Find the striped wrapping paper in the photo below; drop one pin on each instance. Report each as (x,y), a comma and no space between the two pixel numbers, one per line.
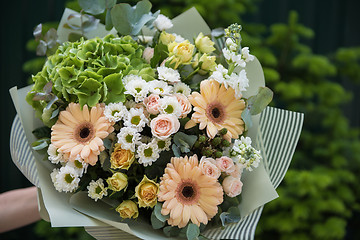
(278,134)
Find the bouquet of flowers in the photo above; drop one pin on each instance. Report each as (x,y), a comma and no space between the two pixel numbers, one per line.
(149,129)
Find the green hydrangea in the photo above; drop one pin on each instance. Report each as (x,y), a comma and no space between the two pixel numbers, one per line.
(88,72)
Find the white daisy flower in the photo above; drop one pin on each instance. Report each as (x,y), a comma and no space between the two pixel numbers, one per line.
(159,87)
(78,165)
(147,153)
(168,74)
(170,105)
(246,54)
(129,78)
(128,137)
(138,88)
(162,23)
(114,112)
(96,189)
(66,179)
(163,145)
(136,118)
(183,88)
(54,156)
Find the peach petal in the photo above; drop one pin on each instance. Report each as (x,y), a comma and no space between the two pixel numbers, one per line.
(86,114)
(85,152)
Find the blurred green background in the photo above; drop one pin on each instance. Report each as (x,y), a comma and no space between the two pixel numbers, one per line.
(310,52)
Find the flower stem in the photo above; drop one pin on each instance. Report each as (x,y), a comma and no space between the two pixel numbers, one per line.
(190,75)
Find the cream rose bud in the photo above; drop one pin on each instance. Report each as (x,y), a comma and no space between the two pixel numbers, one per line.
(232,186)
(166,38)
(152,103)
(204,44)
(185,104)
(208,167)
(225,164)
(208,63)
(146,192)
(128,209)
(148,54)
(164,125)
(117,182)
(182,52)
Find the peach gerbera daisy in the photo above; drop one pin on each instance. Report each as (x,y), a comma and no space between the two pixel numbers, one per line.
(80,132)
(188,193)
(215,108)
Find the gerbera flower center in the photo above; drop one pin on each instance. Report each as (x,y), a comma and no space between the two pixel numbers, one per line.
(215,112)
(84,132)
(187,193)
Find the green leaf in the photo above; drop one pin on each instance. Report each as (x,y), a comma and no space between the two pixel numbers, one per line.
(129,20)
(258,103)
(160,53)
(176,150)
(115,88)
(171,231)
(155,222)
(94,7)
(184,142)
(42,132)
(108,21)
(192,231)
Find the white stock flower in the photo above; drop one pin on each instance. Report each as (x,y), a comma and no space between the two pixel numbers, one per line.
(170,105)
(231,45)
(168,74)
(65,179)
(162,23)
(147,153)
(228,55)
(96,189)
(159,87)
(246,54)
(114,112)
(183,88)
(243,153)
(237,59)
(128,138)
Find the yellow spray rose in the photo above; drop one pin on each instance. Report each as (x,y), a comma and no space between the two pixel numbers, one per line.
(181,53)
(128,209)
(117,182)
(204,44)
(146,192)
(166,38)
(121,158)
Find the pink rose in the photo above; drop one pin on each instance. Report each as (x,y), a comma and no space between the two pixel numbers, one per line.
(238,170)
(185,104)
(225,164)
(232,186)
(148,54)
(208,167)
(152,103)
(164,125)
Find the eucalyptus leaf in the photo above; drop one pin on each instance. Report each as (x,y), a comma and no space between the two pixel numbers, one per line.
(93,6)
(55,113)
(192,231)
(155,222)
(157,212)
(42,132)
(41,48)
(90,25)
(53,99)
(246,117)
(129,20)
(231,216)
(259,102)
(108,21)
(176,150)
(51,38)
(171,231)
(184,142)
(40,144)
(37,32)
